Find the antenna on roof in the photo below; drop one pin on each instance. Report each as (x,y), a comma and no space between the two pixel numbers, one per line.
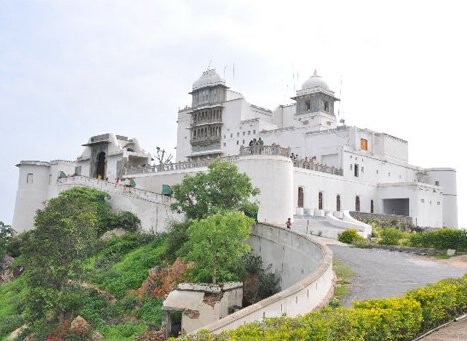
(340,119)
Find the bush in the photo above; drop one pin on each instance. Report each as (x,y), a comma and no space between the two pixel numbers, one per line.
(126,220)
(348,236)
(371,320)
(151,311)
(441,239)
(177,236)
(391,236)
(361,243)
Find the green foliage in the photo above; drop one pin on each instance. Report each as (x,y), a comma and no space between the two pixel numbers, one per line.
(177,236)
(216,245)
(348,236)
(122,265)
(268,282)
(122,331)
(222,188)
(371,320)
(125,220)
(441,239)
(361,243)
(11,294)
(6,236)
(64,236)
(151,311)
(441,301)
(391,236)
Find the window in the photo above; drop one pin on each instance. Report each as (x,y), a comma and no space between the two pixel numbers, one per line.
(326,106)
(224,136)
(243,133)
(377,171)
(372,207)
(231,135)
(224,144)
(438,203)
(422,200)
(254,131)
(362,169)
(307,105)
(50,179)
(356,170)
(389,173)
(338,203)
(243,142)
(237,142)
(351,167)
(320,200)
(249,132)
(363,144)
(436,183)
(29,178)
(238,134)
(357,203)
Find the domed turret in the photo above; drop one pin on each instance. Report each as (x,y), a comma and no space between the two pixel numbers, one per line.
(315,81)
(208,78)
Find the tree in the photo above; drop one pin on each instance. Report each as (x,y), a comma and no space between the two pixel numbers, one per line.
(216,245)
(222,188)
(64,236)
(161,157)
(6,236)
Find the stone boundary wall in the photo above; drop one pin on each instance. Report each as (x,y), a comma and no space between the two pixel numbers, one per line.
(312,291)
(382,217)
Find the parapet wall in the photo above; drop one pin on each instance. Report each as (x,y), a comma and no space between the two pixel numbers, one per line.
(305,267)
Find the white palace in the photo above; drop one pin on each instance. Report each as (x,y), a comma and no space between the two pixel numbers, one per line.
(309,166)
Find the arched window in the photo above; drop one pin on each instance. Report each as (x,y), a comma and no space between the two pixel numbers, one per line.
(320,200)
(357,203)
(338,203)
(300,197)
(372,207)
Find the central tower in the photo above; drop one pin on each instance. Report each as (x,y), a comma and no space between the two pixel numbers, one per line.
(208,95)
(315,104)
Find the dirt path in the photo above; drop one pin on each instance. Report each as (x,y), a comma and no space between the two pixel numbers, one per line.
(458,261)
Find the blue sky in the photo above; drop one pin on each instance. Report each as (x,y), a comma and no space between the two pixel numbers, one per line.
(72,69)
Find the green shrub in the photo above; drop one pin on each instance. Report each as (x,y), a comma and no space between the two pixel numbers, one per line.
(441,301)
(391,236)
(126,220)
(122,331)
(371,320)
(441,239)
(361,243)
(151,311)
(348,236)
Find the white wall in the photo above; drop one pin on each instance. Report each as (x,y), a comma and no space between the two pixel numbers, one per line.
(310,291)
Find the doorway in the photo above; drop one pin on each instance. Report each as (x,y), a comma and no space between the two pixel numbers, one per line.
(101,163)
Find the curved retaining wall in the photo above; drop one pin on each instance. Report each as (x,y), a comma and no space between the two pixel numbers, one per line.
(306,270)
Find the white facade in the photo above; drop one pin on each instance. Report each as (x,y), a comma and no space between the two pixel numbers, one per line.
(337,167)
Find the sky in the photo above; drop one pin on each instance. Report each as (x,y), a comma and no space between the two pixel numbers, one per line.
(73,69)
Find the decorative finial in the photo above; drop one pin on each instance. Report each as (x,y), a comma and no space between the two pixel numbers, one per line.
(315,74)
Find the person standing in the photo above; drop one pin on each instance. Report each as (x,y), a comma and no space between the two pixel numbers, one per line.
(288,223)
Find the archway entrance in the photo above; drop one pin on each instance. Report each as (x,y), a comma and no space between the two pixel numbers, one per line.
(300,197)
(357,203)
(338,203)
(100,173)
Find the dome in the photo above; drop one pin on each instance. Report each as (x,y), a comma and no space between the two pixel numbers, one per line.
(314,82)
(208,78)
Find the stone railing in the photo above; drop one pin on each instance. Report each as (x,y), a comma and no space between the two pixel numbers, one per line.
(111,188)
(177,166)
(306,273)
(317,167)
(264,150)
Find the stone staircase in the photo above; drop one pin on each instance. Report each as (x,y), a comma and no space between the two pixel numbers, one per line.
(111,188)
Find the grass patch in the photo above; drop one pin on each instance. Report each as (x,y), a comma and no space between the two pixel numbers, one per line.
(11,295)
(343,273)
(122,331)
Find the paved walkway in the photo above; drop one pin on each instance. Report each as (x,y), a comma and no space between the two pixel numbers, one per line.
(381,273)
(456,331)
